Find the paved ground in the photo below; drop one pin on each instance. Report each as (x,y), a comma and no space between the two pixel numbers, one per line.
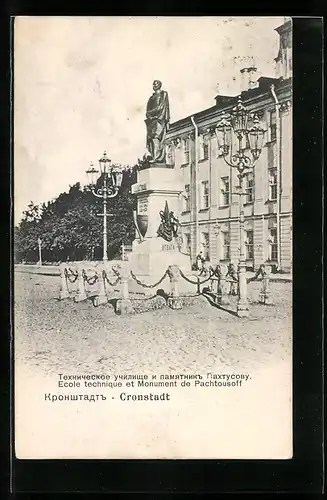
(54,270)
(65,337)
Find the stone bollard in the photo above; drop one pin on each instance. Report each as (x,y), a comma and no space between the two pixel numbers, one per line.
(232,274)
(101,298)
(124,305)
(221,287)
(265,292)
(174,301)
(198,285)
(81,295)
(215,283)
(64,291)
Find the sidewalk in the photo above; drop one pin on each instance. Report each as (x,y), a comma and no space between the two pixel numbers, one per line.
(278,277)
(281,278)
(53,270)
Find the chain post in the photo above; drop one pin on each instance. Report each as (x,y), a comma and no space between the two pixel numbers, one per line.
(124,305)
(64,291)
(174,301)
(265,292)
(101,298)
(81,295)
(221,287)
(198,287)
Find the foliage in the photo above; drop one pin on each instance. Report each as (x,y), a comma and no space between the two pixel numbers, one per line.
(70,228)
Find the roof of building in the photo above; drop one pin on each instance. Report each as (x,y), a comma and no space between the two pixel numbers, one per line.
(284,32)
(261,89)
(223,102)
(287,26)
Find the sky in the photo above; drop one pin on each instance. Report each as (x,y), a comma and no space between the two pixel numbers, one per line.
(81,85)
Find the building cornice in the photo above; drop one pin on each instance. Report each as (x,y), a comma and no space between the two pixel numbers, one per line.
(284,28)
(259,97)
(207,120)
(224,100)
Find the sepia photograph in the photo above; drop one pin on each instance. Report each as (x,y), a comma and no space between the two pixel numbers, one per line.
(152,174)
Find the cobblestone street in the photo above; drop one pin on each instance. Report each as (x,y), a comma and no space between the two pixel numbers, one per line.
(153,250)
(55,336)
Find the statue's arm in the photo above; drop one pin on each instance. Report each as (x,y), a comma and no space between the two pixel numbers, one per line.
(168,109)
(152,113)
(161,111)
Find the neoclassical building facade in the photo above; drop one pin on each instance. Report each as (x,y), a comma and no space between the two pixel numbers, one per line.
(209,206)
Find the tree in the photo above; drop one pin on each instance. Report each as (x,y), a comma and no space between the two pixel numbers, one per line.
(70,228)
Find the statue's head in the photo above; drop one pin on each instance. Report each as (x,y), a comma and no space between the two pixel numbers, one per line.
(157,85)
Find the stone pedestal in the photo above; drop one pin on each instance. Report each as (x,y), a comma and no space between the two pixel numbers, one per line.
(174,301)
(124,305)
(265,293)
(64,291)
(152,254)
(101,298)
(81,295)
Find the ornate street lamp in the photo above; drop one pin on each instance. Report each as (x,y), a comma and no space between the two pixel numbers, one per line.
(249,142)
(216,228)
(111,176)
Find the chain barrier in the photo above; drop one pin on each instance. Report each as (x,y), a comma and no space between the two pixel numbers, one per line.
(145,299)
(115,272)
(70,275)
(260,272)
(144,284)
(90,281)
(111,283)
(190,296)
(198,282)
(231,280)
(215,273)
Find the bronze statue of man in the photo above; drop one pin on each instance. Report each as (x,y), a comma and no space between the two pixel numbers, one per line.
(157,123)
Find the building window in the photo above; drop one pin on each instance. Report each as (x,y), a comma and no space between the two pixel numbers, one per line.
(205,245)
(205,151)
(225,191)
(273,184)
(249,188)
(204,148)
(187,199)
(273,254)
(272,125)
(225,245)
(187,243)
(170,155)
(249,244)
(186,150)
(205,195)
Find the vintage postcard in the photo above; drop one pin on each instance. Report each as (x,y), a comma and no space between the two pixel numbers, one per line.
(153,237)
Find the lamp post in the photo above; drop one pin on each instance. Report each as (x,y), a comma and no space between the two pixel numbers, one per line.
(240,146)
(39,242)
(111,176)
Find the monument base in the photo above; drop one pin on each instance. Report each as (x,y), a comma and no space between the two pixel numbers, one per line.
(152,257)
(158,197)
(154,164)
